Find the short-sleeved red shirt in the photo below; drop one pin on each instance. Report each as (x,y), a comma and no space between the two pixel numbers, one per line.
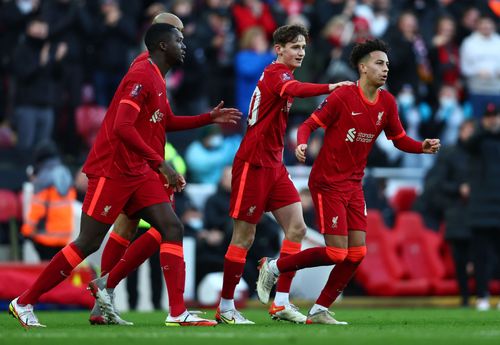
(143,88)
(263,142)
(352,124)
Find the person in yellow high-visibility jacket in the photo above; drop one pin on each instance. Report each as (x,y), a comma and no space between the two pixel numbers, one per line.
(49,222)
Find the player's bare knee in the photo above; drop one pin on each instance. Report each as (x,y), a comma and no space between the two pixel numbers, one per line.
(173,232)
(296,233)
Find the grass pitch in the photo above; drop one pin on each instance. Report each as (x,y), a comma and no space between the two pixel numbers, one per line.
(430,326)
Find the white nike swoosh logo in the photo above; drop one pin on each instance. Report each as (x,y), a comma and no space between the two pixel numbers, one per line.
(354,114)
(161,93)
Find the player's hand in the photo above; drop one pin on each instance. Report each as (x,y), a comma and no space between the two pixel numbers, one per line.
(300,152)
(175,180)
(431,145)
(225,115)
(332,87)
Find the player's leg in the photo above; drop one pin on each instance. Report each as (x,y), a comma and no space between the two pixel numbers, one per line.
(124,229)
(163,218)
(291,219)
(343,272)
(250,186)
(59,268)
(234,264)
(331,215)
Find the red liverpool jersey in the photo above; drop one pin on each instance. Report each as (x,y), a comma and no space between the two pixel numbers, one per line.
(352,124)
(263,142)
(143,88)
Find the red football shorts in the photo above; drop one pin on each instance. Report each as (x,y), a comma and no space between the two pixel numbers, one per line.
(106,197)
(340,208)
(256,189)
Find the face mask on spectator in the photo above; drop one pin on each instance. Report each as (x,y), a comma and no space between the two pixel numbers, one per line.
(195,223)
(215,141)
(406,100)
(447,102)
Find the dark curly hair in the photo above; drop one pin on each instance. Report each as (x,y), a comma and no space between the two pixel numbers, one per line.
(361,50)
(289,33)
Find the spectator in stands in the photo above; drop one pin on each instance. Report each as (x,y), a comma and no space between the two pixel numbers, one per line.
(250,62)
(408,55)
(207,156)
(480,65)
(69,23)
(115,34)
(35,68)
(484,202)
(49,223)
(443,55)
(249,13)
(452,192)
(449,116)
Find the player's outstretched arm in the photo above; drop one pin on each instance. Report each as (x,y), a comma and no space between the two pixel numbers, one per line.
(410,145)
(225,115)
(302,90)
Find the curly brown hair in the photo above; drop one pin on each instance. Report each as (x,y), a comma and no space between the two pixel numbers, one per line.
(289,33)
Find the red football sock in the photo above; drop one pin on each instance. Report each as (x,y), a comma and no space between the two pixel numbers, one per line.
(174,271)
(58,269)
(312,257)
(285,279)
(113,252)
(140,250)
(341,275)
(234,264)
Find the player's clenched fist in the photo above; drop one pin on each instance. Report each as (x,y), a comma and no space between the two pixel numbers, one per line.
(300,152)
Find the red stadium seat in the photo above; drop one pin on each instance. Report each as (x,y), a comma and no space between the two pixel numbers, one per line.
(381,273)
(10,212)
(88,121)
(421,253)
(403,199)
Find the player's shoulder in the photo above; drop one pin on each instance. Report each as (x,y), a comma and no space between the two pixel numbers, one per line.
(141,57)
(139,72)
(279,70)
(386,96)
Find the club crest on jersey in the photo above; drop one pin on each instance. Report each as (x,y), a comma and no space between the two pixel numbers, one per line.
(105,210)
(379,118)
(157,116)
(286,76)
(136,90)
(335,221)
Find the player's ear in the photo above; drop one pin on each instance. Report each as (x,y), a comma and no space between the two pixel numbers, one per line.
(278,49)
(163,46)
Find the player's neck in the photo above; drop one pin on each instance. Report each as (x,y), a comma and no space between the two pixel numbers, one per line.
(289,67)
(162,66)
(370,91)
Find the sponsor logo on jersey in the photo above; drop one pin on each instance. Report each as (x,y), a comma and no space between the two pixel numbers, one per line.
(361,137)
(351,134)
(379,118)
(157,116)
(353,113)
(136,90)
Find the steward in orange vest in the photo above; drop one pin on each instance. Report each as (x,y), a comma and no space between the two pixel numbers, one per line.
(50,218)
